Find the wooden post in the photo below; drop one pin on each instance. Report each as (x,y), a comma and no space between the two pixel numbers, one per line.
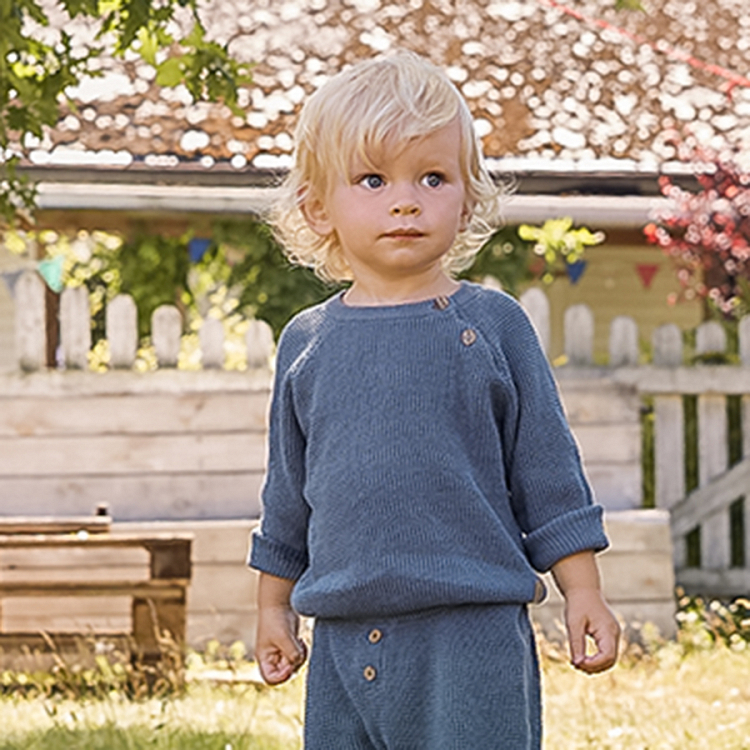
(744,347)
(715,541)
(51,325)
(121,323)
(669,450)
(713,446)
(579,335)
(536,304)
(166,334)
(623,342)
(31,339)
(75,327)
(211,336)
(151,618)
(259,344)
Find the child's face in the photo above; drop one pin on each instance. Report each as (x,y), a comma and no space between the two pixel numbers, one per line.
(399,216)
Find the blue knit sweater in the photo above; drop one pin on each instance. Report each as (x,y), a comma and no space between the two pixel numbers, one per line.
(418,457)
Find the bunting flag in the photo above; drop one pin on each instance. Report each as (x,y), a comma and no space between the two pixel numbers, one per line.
(52,272)
(575,270)
(198,247)
(10,278)
(646,271)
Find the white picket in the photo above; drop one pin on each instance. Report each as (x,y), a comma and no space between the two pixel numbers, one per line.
(259,344)
(579,335)
(536,304)
(75,327)
(166,334)
(713,447)
(121,322)
(623,342)
(211,336)
(30,322)
(667,344)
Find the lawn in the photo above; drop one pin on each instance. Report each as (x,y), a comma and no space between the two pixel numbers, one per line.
(692,693)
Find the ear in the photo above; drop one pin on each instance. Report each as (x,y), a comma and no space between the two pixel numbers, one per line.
(316,215)
(466,213)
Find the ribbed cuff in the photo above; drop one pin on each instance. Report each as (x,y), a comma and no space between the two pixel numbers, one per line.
(573,532)
(270,556)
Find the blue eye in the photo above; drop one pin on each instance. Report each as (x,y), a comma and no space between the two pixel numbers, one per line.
(372,181)
(433,179)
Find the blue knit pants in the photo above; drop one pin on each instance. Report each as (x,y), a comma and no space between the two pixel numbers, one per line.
(459,678)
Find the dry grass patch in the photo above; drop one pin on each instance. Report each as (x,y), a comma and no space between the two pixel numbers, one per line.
(692,693)
(665,701)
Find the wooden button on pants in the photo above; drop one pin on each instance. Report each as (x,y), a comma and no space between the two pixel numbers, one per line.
(459,678)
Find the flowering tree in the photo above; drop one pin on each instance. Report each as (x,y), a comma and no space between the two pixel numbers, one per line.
(36,72)
(707,233)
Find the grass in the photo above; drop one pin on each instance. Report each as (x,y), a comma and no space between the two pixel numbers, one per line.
(667,701)
(206,717)
(692,693)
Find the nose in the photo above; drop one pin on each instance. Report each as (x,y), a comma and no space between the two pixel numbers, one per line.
(405,205)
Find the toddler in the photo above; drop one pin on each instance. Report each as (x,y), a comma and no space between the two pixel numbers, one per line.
(421,472)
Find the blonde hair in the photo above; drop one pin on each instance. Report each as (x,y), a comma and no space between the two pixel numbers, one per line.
(399,97)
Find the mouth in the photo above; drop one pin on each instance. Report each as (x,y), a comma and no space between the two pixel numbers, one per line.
(403,233)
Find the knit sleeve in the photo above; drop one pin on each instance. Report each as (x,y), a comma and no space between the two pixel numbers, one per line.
(279,547)
(550,495)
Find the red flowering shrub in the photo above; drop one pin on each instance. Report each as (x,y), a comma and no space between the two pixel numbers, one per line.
(707,233)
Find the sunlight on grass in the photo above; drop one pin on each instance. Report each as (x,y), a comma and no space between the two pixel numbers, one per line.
(692,693)
(207,717)
(662,702)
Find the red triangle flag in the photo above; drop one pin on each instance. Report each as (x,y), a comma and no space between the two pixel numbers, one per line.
(647,271)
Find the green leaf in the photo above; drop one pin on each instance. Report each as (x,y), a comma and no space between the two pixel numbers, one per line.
(629,5)
(149,45)
(169,73)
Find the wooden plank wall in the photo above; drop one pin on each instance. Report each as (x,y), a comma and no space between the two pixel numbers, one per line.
(164,445)
(178,445)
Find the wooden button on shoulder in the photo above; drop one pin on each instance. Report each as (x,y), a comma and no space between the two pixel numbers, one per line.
(375,635)
(369,673)
(468,336)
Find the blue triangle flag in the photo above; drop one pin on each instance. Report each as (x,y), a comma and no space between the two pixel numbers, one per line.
(575,270)
(198,247)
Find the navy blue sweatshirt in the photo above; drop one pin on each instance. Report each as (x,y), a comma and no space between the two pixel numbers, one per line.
(418,457)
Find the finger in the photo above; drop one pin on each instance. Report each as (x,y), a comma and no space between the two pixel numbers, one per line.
(595,663)
(275,668)
(604,658)
(577,641)
(294,651)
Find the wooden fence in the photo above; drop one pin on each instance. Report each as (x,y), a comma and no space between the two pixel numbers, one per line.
(179,444)
(121,324)
(710,532)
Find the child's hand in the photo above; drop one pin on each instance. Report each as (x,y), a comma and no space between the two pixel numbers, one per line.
(278,650)
(586,613)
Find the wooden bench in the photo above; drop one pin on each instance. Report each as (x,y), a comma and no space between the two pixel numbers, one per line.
(158,603)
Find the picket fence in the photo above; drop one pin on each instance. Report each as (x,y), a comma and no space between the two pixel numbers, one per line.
(710,534)
(121,324)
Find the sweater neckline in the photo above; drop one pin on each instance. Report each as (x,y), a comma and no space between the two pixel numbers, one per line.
(339,309)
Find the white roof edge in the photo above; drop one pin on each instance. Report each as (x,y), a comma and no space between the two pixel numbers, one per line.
(154,198)
(593,210)
(621,211)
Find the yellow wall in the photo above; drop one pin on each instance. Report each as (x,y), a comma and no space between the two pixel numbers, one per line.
(611,286)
